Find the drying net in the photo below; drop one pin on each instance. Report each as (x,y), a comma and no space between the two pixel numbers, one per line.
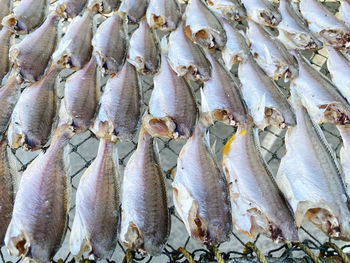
(314,245)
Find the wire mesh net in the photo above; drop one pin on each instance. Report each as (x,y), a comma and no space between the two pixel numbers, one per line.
(83,152)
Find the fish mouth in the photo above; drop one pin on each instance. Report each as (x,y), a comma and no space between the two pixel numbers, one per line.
(270,19)
(165,127)
(203,37)
(275,118)
(335,113)
(337,38)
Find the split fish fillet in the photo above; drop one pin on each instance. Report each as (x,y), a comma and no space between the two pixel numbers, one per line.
(230,9)
(134,10)
(262,12)
(163,15)
(70,8)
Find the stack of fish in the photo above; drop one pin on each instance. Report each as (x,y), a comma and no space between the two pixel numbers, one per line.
(201,44)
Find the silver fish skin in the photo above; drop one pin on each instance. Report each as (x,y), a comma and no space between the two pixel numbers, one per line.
(270,54)
(32,55)
(325,24)
(293,30)
(5,39)
(40,214)
(202,26)
(325,103)
(311,178)
(70,8)
(266,103)
(34,113)
(344,11)
(233,51)
(186,58)
(7,185)
(80,98)
(9,95)
(75,49)
(221,98)
(119,106)
(172,108)
(257,203)
(110,44)
(262,12)
(27,16)
(144,51)
(230,9)
(163,15)
(339,68)
(97,214)
(200,192)
(134,10)
(103,6)
(5,9)
(145,223)
(344,131)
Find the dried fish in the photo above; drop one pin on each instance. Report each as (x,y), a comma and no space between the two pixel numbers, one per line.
(270,54)
(344,11)
(7,184)
(233,51)
(144,52)
(221,98)
(40,214)
(9,94)
(205,211)
(339,68)
(32,55)
(202,26)
(262,12)
(325,102)
(325,24)
(257,204)
(293,30)
(311,179)
(119,106)
(97,217)
(34,113)
(345,154)
(110,44)
(172,108)
(104,6)
(80,98)
(163,15)
(5,37)
(28,15)
(230,9)
(70,8)
(186,58)
(145,224)
(5,9)
(134,10)
(266,103)
(75,48)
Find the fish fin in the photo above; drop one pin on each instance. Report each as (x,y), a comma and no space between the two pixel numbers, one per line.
(78,240)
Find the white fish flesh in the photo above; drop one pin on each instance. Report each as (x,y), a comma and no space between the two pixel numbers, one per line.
(134,10)
(262,12)
(344,11)
(70,8)
(163,15)
(230,9)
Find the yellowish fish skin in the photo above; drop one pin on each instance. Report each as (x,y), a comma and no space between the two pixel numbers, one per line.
(145,220)
(202,26)
(5,9)
(119,106)
(70,8)
(172,108)
(221,98)
(163,15)
(110,44)
(144,51)
(257,204)
(97,218)
(9,94)
(74,50)
(230,9)
(5,39)
(80,98)
(40,214)
(33,116)
(311,178)
(7,184)
(200,193)
(134,10)
(27,16)
(32,55)
(186,58)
